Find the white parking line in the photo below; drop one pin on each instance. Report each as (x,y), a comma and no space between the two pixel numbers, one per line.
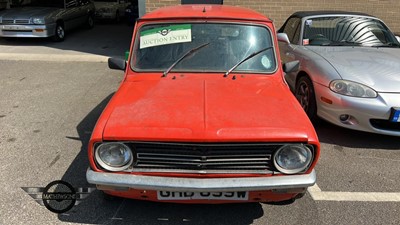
(318,195)
(54,57)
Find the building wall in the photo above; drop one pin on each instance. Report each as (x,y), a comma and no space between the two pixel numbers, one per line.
(278,10)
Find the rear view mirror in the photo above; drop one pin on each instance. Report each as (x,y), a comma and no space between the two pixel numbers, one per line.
(116,64)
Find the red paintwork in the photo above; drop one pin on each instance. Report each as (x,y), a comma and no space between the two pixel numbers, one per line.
(204,107)
(224,12)
(256,196)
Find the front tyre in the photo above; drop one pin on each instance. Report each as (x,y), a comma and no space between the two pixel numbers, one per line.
(306,96)
(59,33)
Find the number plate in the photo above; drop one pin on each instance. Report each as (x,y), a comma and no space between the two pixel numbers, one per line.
(171,195)
(395,115)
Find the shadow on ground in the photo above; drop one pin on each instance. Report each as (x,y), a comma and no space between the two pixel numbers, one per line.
(331,134)
(96,210)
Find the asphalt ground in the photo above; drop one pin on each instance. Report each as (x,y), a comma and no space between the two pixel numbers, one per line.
(48,108)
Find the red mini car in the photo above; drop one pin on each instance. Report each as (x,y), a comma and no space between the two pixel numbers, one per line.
(203,114)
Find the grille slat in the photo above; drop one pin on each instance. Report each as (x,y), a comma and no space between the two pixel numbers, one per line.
(17,21)
(239,157)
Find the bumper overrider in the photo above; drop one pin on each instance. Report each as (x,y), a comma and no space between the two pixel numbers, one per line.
(159,183)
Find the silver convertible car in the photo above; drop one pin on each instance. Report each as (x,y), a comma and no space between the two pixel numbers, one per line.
(41,18)
(349,69)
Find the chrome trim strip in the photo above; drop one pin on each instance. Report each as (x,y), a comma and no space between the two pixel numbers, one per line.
(199,184)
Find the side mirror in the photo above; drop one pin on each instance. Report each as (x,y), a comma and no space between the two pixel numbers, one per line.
(398,38)
(292,66)
(282,37)
(116,64)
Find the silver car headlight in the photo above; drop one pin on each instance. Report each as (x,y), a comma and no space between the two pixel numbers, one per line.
(37,20)
(293,158)
(114,156)
(353,89)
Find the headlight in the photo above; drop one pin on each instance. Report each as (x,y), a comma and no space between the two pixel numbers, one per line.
(37,20)
(114,156)
(292,159)
(353,89)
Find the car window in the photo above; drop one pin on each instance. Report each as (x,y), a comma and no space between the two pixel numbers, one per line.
(292,29)
(71,3)
(347,30)
(158,46)
(45,3)
(83,2)
(106,1)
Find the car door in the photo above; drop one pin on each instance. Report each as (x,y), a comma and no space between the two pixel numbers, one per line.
(292,28)
(76,13)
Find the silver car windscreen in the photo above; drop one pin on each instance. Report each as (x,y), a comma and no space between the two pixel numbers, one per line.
(342,30)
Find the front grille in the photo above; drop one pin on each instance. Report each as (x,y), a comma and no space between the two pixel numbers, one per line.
(21,21)
(7,21)
(232,158)
(385,125)
(17,21)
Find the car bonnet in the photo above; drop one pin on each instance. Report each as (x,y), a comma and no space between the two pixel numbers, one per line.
(378,68)
(207,110)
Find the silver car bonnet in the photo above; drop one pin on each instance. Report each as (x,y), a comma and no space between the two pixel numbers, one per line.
(27,12)
(378,68)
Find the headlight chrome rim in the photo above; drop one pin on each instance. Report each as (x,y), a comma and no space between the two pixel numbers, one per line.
(305,165)
(348,88)
(106,165)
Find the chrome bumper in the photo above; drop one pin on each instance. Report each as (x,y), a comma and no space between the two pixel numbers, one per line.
(200,184)
(11,30)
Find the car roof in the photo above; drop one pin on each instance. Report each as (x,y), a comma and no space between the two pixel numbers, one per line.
(200,11)
(302,14)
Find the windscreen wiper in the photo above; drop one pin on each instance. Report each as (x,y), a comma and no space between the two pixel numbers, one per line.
(245,59)
(182,57)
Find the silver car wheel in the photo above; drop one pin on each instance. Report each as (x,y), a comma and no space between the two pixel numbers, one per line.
(305,95)
(59,33)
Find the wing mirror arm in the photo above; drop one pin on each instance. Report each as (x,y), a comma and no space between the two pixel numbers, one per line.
(116,64)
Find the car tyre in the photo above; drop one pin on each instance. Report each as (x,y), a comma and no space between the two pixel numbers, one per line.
(59,33)
(305,94)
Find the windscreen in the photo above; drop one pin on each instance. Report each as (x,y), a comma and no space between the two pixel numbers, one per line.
(159,46)
(346,30)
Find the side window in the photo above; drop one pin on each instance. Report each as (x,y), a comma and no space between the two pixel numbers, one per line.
(83,2)
(292,29)
(71,3)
